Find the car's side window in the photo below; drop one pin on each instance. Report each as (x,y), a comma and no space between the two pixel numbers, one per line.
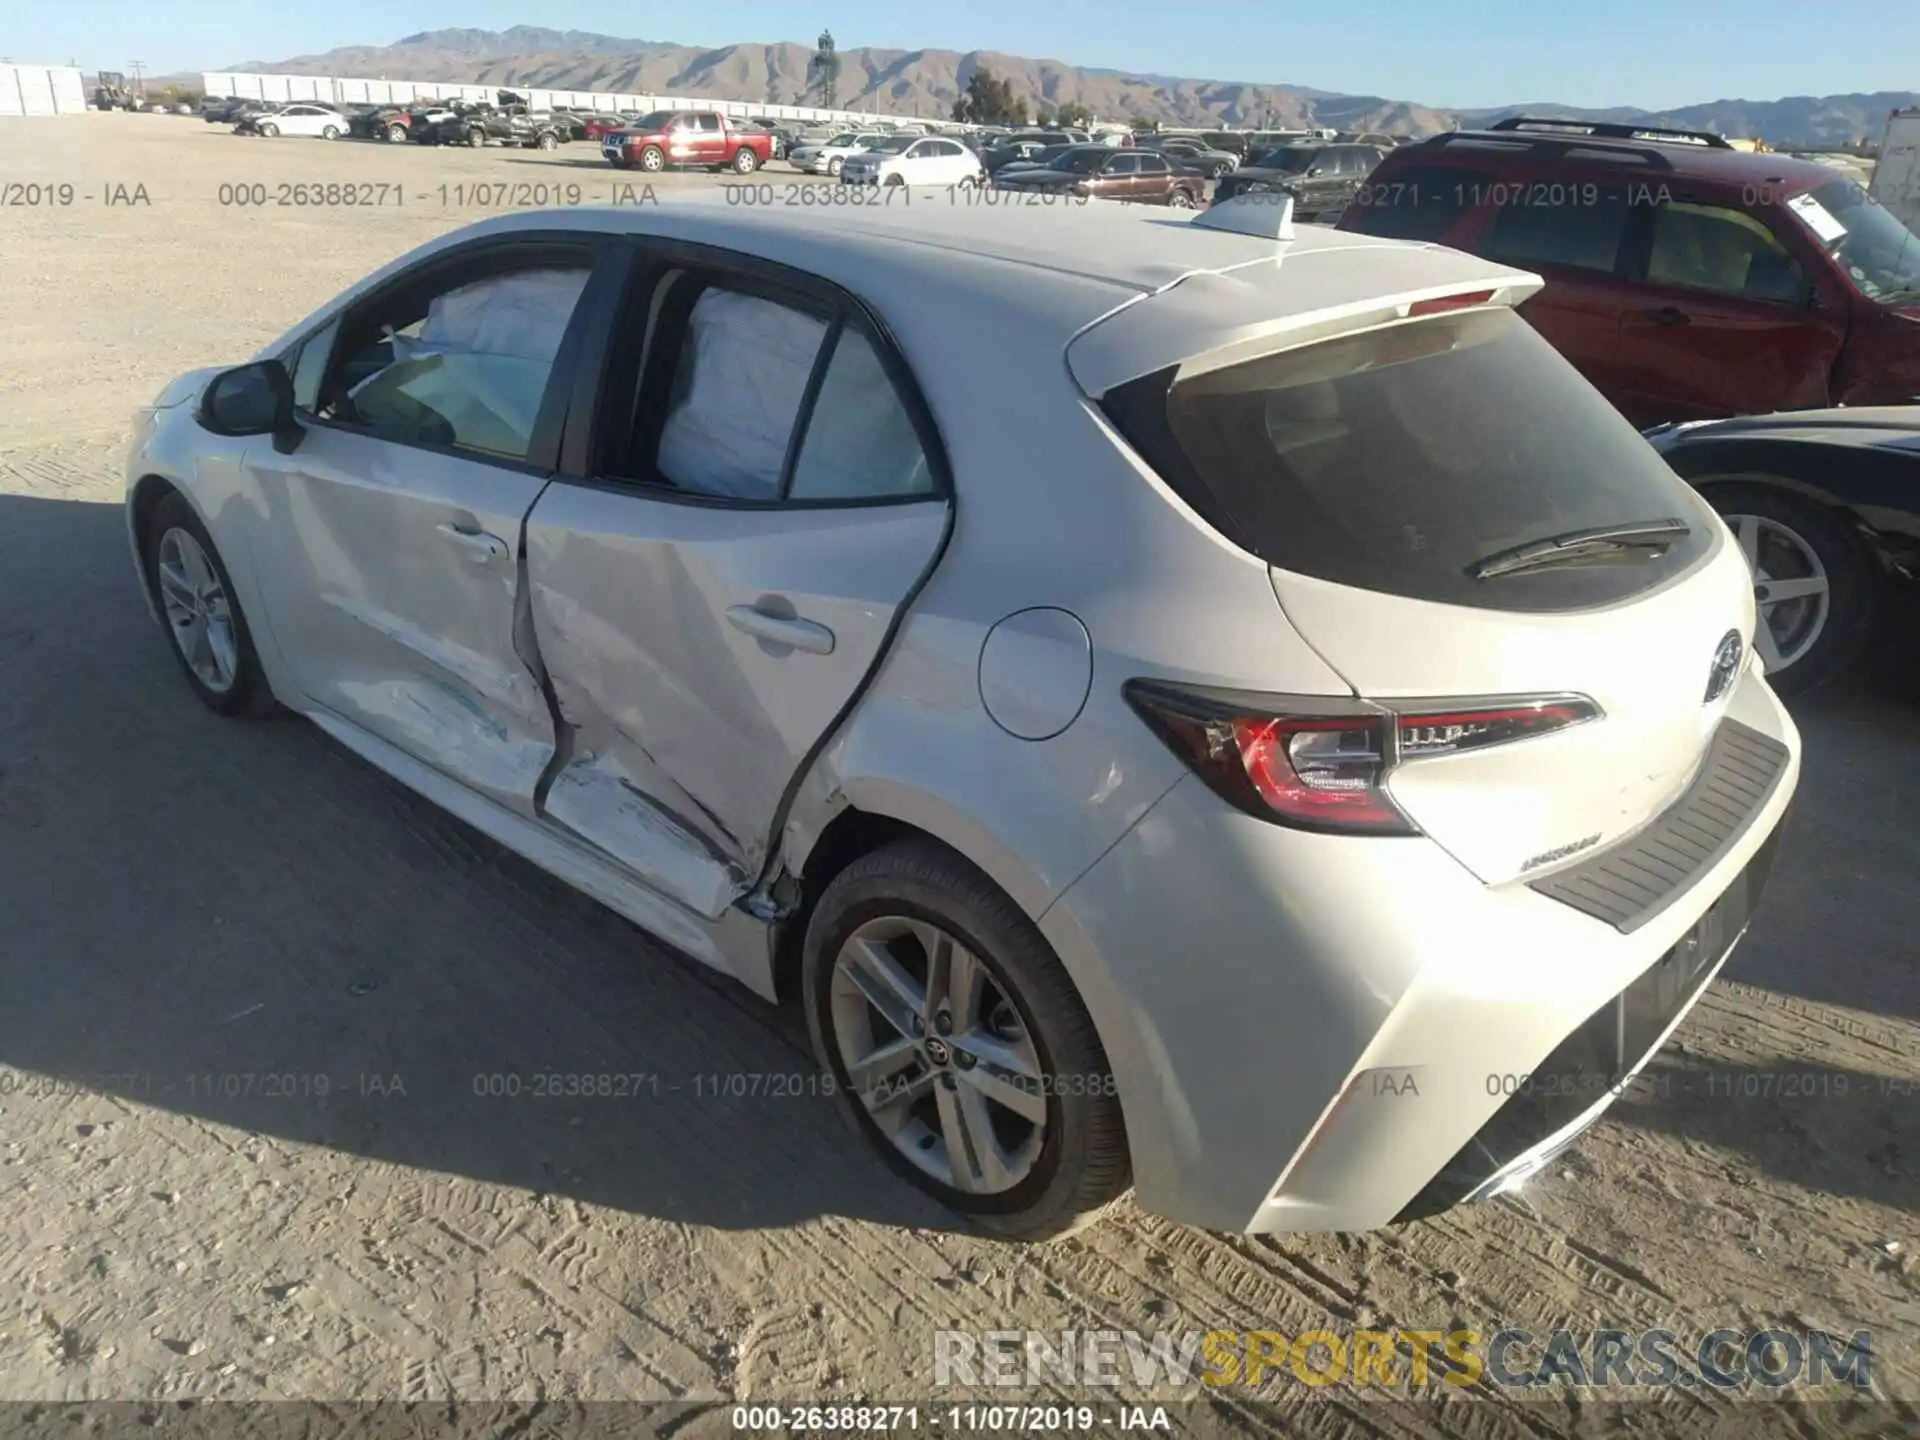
(462,363)
(738,380)
(1122,165)
(1150,164)
(311,365)
(859,442)
(758,395)
(1582,232)
(1710,247)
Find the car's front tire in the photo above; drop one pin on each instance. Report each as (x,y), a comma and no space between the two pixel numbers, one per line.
(653,159)
(1817,584)
(330,132)
(190,585)
(547,141)
(833,168)
(269,130)
(958,1046)
(396,133)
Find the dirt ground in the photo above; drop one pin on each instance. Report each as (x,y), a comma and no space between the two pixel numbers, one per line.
(186,902)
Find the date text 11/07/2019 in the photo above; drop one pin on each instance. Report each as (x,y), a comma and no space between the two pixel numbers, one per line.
(807,195)
(858,1419)
(203,1085)
(460,195)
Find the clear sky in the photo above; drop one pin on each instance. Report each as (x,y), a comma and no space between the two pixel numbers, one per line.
(1448,53)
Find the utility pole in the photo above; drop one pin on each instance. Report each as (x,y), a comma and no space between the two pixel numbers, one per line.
(139,85)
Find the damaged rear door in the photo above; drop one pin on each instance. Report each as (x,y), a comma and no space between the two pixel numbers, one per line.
(766,493)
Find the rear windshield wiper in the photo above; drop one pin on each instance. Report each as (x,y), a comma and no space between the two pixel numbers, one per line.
(1580,547)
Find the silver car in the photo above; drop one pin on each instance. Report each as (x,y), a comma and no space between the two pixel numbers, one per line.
(1179,704)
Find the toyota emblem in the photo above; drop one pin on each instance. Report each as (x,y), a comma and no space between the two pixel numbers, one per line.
(1725,668)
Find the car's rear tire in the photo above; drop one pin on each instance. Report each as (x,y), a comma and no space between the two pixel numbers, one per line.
(1179,199)
(1006,1067)
(833,168)
(476,138)
(1818,634)
(195,596)
(653,159)
(745,162)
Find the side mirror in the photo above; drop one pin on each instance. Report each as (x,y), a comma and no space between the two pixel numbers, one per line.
(254,399)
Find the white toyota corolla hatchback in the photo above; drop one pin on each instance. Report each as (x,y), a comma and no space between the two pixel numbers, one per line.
(1179,704)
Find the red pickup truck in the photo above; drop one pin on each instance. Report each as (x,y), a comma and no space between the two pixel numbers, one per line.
(687,137)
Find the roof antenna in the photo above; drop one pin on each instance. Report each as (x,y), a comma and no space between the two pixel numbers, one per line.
(1262,214)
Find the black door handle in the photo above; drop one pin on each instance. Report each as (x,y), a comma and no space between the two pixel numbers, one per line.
(1667,315)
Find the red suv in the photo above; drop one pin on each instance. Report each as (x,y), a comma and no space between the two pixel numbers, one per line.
(1686,279)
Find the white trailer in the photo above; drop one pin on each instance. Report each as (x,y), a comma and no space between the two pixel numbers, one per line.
(1896,177)
(41,90)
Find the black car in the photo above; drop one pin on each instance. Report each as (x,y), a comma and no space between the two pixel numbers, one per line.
(1323,179)
(231,111)
(1024,146)
(1188,153)
(503,125)
(1826,505)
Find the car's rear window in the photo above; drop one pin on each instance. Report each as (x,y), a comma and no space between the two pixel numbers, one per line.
(1397,459)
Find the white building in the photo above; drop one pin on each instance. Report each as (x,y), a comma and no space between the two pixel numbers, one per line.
(41,90)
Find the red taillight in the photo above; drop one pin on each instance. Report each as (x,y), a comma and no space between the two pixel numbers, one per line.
(1320,771)
(1442,303)
(1313,772)
(1324,764)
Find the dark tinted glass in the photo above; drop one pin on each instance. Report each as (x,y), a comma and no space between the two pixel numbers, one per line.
(1288,160)
(1412,202)
(1727,251)
(1396,459)
(1579,226)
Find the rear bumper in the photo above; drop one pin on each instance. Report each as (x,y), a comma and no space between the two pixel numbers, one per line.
(1550,1108)
(1315,1032)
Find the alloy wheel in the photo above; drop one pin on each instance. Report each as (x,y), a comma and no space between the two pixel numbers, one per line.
(1791,589)
(938,1053)
(199,612)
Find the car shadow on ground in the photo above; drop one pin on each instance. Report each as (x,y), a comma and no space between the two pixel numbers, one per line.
(246,923)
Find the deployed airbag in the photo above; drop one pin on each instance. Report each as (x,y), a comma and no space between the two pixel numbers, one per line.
(476,372)
(742,376)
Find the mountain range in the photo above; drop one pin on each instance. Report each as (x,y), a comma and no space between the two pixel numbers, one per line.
(926,83)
